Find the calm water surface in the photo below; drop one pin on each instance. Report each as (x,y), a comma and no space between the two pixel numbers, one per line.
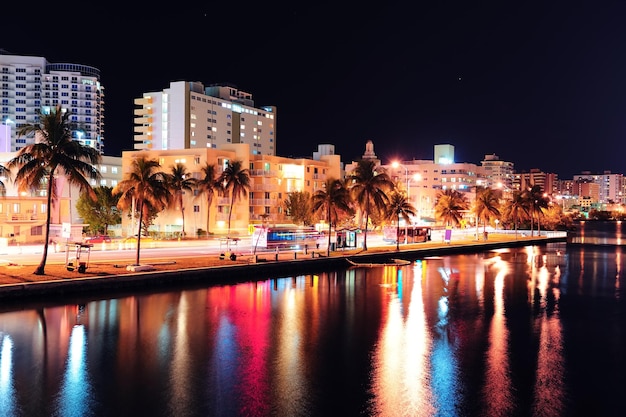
(535,331)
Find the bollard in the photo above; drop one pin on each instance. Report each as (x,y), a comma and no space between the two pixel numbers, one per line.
(295,255)
(312,255)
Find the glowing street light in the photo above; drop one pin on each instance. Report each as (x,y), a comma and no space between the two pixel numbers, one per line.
(397,164)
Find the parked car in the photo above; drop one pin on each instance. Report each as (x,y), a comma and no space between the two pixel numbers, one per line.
(98,239)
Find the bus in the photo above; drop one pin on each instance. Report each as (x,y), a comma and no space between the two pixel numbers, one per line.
(415,234)
(285,237)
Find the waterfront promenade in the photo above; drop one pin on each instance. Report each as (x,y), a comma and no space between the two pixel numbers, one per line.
(18,282)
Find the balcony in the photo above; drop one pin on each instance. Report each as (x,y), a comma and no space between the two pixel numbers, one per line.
(20,217)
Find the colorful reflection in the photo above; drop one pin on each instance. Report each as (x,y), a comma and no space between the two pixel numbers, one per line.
(486,334)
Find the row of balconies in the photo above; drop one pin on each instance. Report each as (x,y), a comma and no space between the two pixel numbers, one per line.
(264,173)
(19,217)
(263,202)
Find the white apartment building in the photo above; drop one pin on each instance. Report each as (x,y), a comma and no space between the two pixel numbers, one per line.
(30,84)
(188,115)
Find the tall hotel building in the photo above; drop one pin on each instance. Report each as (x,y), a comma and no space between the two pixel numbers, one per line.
(30,84)
(188,115)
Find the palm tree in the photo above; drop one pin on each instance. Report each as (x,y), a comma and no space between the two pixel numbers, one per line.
(516,209)
(235,180)
(450,207)
(398,207)
(536,203)
(180,180)
(333,199)
(208,186)
(370,185)
(486,207)
(144,190)
(53,153)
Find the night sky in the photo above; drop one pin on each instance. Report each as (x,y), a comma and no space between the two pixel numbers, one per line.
(538,83)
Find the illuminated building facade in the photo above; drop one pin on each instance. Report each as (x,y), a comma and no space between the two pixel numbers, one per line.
(272,178)
(189,115)
(30,84)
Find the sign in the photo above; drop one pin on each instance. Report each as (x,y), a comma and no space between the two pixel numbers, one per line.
(66,230)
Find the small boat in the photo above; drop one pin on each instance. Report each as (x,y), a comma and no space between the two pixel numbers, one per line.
(394,262)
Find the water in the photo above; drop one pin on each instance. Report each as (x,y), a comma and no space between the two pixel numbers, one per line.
(535,331)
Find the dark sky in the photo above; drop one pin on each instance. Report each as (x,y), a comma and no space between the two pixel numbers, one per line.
(539,83)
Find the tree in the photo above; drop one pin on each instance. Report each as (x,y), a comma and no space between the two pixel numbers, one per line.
(54,153)
(450,206)
(398,207)
(299,207)
(334,200)
(99,213)
(516,209)
(180,180)
(208,186)
(370,185)
(486,206)
(145,187)
(235,180)
(536,202)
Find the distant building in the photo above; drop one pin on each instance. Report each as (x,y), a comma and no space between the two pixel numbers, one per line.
(425,179)
(610,185)
(497,172)
(526,180)
(188,115)
(30,84)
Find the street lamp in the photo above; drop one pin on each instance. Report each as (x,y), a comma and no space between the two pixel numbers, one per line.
(397,164)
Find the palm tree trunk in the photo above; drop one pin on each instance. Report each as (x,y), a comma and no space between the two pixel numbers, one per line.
(367,220)
(398,232)
(330,225)
(139,231)
(182,213)
(42,265)
(208,218)
(230,212)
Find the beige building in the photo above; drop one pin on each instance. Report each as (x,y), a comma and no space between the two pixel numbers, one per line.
(425,179)
(23,214)
(272,179)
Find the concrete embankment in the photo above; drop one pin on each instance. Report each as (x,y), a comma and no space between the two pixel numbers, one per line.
(111,285)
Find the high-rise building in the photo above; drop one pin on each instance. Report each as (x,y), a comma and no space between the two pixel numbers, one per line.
(30,85)
(498,173)
(188,115)
(610,185)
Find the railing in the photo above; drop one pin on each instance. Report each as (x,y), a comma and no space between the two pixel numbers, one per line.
(18,217)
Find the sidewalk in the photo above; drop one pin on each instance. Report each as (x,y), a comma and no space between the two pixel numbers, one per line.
(18,281)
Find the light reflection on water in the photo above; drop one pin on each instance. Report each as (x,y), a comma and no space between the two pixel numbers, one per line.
(495,334)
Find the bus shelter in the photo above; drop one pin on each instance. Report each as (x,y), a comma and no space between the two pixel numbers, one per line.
(347,238)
